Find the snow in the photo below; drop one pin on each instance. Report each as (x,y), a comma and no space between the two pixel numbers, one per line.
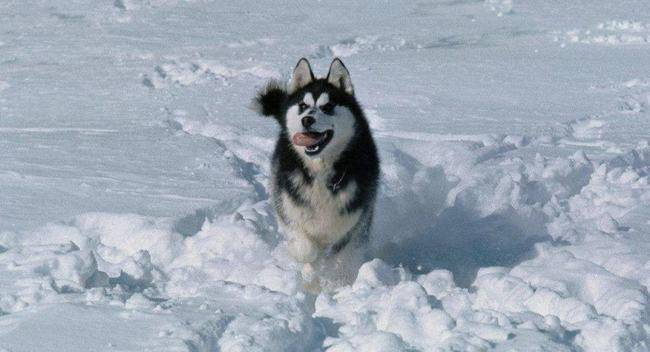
(514,209)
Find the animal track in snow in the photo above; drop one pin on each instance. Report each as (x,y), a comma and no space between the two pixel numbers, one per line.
(633,95)
(636,98)
(129,5)
(500,7)
(586,128)
(587,132)
(608,33)
(185,73)
(356,45)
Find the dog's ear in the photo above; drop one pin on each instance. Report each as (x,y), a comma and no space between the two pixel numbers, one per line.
(270,99)
(339,76)
(302,76)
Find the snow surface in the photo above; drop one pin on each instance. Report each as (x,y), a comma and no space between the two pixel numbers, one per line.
(514,211)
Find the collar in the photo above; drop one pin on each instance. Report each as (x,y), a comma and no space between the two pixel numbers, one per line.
(336,185)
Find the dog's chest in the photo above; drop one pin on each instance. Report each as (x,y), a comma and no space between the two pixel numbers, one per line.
(323,214)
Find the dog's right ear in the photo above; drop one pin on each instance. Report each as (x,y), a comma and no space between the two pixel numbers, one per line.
(339,76)
(302,76)
(270,99)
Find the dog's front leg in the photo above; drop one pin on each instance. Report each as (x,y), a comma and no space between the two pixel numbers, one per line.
(305,251)
(301,248)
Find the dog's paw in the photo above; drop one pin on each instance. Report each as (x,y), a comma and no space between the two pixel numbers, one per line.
(308,272)
(310,279)
(302,249)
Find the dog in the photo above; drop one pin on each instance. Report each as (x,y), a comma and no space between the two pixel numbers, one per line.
(325,172)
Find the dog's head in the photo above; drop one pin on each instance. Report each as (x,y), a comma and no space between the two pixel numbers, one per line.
(318,116)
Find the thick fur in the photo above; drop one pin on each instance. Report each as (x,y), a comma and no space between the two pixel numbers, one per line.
(270,100)
(324,202)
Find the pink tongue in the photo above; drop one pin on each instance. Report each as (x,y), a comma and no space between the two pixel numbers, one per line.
(306,139)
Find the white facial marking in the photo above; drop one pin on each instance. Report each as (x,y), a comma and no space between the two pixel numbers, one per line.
(323,99)
(293,122)
(308,99)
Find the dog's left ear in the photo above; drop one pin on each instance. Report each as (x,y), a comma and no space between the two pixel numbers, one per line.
(270,100)
(302,76)
(339,76)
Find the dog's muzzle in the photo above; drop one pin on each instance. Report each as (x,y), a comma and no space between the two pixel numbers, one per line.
(314,142)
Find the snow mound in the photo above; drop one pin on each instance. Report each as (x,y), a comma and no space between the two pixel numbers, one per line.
(128,264)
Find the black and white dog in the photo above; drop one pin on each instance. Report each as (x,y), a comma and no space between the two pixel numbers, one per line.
(325,171)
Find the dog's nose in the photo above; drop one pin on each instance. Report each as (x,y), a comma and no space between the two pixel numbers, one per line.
(308,121)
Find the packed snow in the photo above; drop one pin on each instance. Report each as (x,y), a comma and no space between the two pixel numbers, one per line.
(513,214)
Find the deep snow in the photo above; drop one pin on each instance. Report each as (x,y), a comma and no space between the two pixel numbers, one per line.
(514,211)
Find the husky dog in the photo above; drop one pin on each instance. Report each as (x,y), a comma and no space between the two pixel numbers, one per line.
(325,171)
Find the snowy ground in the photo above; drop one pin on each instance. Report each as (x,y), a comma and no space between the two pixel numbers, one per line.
(514,212)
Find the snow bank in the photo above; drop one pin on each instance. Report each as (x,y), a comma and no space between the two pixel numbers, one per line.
(225,273)
(565,296)
(466,274)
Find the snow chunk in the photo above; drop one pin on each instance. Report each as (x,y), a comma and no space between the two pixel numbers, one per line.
(377,273)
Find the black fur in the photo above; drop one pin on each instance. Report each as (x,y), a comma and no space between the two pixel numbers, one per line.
(271,99)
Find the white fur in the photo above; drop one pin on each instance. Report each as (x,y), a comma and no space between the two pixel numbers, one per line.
(301,248)
(323,99)
(308,99)
(320,225)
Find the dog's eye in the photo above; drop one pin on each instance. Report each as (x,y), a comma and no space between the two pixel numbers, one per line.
(302,107)
(327,108)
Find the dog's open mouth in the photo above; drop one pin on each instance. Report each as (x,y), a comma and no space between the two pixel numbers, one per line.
(314,142)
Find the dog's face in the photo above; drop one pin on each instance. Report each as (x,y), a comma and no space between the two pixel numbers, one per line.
(316,114)
(318,120)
